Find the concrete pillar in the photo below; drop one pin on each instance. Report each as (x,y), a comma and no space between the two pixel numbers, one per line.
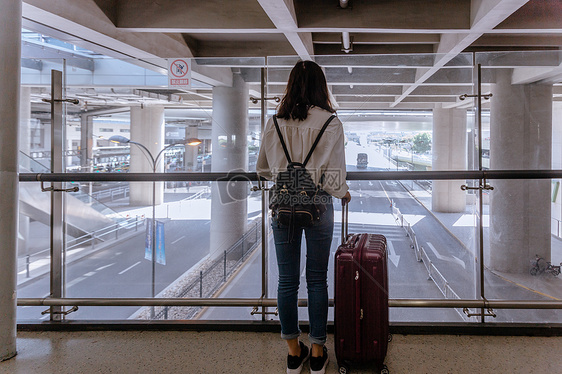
(230,153)
(24,160)
(520,138)
(449,153)
(557,165)
(10,62)
(191,151)
(147,128)
(25,126)
(86,142)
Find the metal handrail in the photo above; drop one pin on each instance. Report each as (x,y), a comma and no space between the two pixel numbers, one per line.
(251,177)
(440,281)
(268,302)
(97,234)
(254,230)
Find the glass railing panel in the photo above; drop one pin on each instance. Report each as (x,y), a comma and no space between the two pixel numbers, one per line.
(35,113)
(523,248)
(33,259)
(116,260)
(235,268)
(390,107)
(523,134)
(430,252)
(30,165)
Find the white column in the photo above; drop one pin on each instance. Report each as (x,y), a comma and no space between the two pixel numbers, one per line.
(10,60)
(190,154)
(86,141)
(147,128)
(230,153)
(449,153)
(520,138)
(24,160)
(556,226)
(25,125)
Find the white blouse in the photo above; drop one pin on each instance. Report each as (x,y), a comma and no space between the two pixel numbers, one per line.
(328,158)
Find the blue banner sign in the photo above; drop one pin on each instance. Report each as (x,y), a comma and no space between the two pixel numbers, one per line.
(160,242)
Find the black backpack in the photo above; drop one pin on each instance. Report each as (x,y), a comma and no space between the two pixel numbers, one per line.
(295,199)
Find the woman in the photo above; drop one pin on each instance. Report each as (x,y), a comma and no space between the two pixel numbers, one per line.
(301,114)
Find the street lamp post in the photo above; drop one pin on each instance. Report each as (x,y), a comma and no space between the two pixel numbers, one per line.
(154,161)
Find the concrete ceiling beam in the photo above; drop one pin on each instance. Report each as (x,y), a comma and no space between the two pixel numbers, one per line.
(376,38)
(32,64)
(387,15)
(284,17)
(36,50)
(170,15)
(485,15)
(533,75)
(84,20)
(514,40)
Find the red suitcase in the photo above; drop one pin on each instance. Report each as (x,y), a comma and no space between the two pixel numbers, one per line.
(361,300)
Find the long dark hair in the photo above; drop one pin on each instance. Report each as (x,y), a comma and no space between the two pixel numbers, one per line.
(306,87)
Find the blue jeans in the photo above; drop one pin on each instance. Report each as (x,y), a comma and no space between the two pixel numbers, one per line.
(318,243)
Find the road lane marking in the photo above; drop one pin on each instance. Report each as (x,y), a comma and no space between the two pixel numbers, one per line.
(129,268)
(175,241)
(392,256)
(75,281)
(384,190)
(105,267)
(452,259)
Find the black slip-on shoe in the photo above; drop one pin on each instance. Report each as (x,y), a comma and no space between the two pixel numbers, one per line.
(318,364)
(295,363)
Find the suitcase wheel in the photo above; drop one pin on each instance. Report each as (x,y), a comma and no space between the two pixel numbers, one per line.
(343,368)
(389,338)
(385,370)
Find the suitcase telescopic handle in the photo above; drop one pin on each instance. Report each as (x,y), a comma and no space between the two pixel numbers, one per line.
(344,220)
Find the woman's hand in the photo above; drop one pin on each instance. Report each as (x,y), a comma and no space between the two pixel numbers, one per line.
(346,199)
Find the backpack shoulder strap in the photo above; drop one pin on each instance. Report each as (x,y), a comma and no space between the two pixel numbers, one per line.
(318,139)
(282,141)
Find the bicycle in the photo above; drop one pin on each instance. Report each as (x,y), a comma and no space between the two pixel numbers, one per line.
(538,266)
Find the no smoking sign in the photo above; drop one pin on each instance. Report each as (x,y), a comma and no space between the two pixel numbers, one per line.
(179,73)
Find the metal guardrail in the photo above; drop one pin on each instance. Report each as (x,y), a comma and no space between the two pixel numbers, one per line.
(452,302)
(250,177)
(220,270)
(112,193)
(108,232)
(239,302)
(421,256)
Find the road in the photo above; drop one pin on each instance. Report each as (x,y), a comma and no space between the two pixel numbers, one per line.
(122,271)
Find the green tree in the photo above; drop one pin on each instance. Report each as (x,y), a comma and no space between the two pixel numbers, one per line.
(422,142)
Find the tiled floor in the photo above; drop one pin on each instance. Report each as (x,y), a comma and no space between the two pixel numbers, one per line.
(258,352)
